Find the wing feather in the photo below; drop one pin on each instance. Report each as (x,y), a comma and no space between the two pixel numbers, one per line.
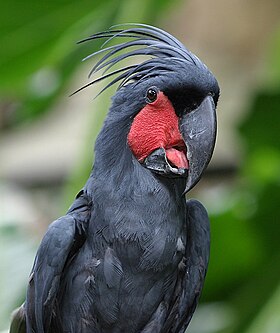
(60,244)
(18,324)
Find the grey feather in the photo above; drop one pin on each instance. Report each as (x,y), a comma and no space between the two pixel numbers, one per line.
(191,279)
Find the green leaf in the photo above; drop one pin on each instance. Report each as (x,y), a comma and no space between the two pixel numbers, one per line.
(268,319)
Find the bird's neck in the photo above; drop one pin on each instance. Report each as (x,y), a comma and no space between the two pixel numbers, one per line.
(130,198)
(117,170)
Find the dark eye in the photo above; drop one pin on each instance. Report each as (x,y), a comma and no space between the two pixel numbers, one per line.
(151,95)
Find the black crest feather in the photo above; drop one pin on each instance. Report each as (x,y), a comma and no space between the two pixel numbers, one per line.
(162,48)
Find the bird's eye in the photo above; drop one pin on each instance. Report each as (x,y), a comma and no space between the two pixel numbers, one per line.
(151,95)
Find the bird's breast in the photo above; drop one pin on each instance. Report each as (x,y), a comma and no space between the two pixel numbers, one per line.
(138,242)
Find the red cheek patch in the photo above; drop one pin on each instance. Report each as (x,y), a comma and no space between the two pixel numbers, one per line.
(157,126)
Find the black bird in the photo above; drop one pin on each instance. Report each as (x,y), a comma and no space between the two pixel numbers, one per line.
(131,253)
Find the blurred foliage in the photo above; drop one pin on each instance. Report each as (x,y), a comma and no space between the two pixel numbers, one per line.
(245,270)
(39,53)
(17,253)
(38,59)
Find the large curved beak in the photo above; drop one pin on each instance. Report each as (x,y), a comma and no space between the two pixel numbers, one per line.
(198,129)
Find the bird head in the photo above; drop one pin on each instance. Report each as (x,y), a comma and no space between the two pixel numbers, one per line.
(170,99)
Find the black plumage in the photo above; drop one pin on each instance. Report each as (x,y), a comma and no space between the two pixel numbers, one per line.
(131,253)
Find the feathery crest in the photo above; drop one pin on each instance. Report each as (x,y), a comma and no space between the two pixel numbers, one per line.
(144,40)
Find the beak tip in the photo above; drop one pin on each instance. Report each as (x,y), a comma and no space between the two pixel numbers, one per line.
(190,184)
